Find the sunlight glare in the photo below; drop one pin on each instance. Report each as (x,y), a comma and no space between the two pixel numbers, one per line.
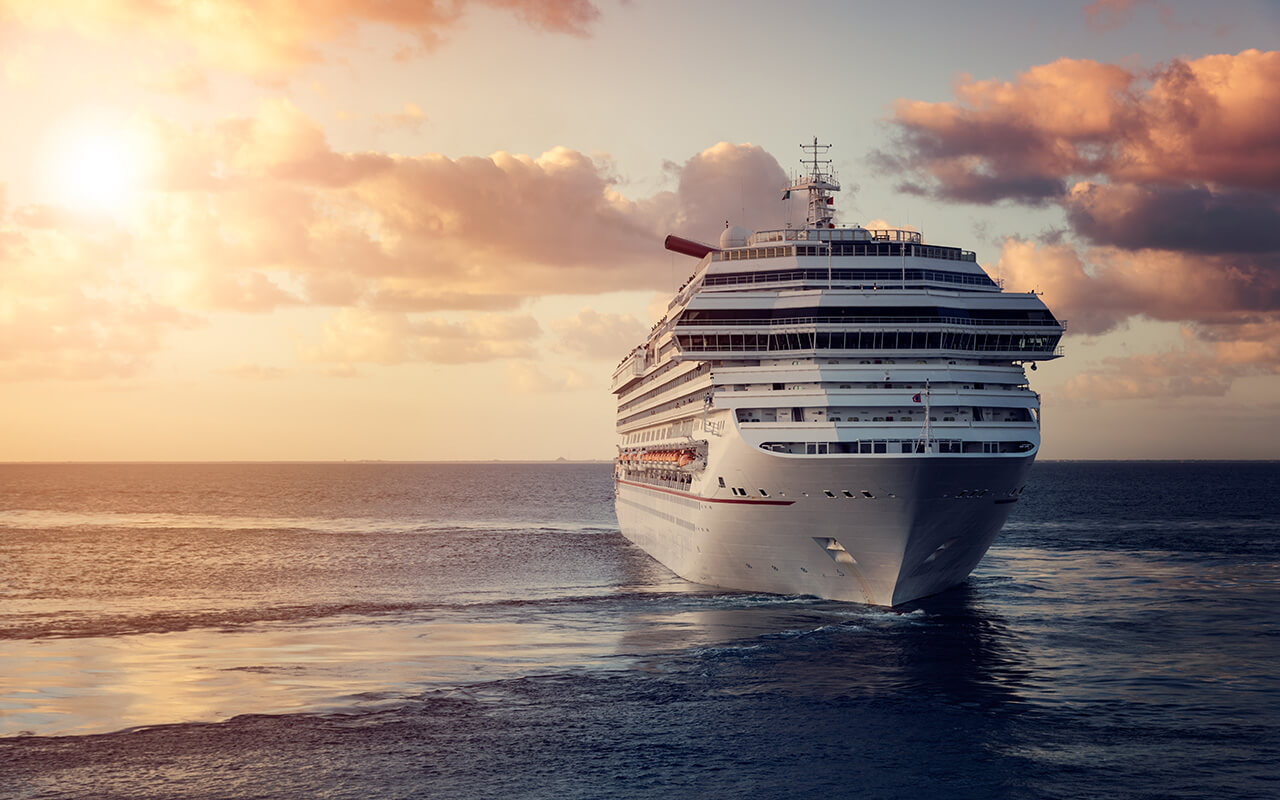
(98,169)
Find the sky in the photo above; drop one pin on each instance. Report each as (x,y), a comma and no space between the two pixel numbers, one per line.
(406,230)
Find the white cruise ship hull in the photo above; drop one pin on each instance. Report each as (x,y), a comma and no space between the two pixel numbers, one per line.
(896,529)
(829,410)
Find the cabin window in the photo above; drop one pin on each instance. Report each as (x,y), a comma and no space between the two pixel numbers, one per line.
(763,493)
(722,484)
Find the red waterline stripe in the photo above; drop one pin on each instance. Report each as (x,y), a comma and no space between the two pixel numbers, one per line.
(708,499)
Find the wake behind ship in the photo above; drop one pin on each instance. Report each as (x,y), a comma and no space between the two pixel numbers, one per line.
(829,410)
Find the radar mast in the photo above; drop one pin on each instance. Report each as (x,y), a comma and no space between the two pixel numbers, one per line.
(817,183)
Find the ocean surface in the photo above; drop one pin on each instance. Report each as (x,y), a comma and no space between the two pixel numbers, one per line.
(482,630)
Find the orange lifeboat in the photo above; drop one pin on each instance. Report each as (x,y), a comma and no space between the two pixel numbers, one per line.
(686,457)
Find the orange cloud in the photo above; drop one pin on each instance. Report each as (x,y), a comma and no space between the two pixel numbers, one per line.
(71,307)
(410,117)
(357,335)
(257,213)
(1200,366)
(268,194)
(1174,176)
(1099,289)
(1207,119)
(269,38)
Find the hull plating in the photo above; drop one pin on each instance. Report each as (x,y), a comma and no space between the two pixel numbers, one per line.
(895,530)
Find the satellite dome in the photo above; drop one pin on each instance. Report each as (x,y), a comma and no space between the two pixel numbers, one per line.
(734,237)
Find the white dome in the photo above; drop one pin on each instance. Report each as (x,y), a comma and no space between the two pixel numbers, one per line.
(734,237)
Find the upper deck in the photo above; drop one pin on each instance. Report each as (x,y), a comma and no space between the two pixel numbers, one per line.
(850,241)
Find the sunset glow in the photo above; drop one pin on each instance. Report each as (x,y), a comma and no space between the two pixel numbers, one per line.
(428,231)
(97,169)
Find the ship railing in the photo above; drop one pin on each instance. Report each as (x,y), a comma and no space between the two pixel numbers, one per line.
(855,321)
(837,235)
(739,352)
(845,277)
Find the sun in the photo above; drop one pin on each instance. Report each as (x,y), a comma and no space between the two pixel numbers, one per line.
(98,168)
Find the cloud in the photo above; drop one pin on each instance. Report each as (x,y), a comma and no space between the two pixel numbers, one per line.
(591,334)
(880,224)
(258,213)
(410,118)
(1098,289)
(1202,365)
(356,335)
(270,38)
(267,194)
(71,308)
(1180,217)
(741,183)
(1172,209)
(1210,119)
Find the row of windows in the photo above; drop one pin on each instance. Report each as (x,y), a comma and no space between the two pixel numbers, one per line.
(696,397)
(652,393)
(868,340)
(847,249)
(665,433)
(872,446)
(838,414)
(878,276)
(838,234)
(835,315)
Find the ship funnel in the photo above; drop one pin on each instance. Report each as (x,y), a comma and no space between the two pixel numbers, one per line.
(688,247)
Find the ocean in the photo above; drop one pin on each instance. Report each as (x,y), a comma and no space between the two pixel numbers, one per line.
(369,630)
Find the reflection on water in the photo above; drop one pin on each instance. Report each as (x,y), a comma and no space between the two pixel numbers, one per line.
(1131,640)
(801,645)
(1057,611)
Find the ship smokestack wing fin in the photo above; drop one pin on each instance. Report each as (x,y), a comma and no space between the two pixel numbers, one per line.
(688,247)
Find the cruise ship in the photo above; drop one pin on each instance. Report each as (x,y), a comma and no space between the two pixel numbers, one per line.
(829,410)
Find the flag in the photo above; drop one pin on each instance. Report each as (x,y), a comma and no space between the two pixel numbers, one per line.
(915,399)
(786,195)
(831,201)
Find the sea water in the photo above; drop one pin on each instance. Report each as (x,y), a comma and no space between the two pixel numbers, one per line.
(483,630)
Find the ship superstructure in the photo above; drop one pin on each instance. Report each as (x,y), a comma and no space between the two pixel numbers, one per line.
(829,410)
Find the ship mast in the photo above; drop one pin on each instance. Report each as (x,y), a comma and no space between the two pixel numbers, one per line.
(818,182)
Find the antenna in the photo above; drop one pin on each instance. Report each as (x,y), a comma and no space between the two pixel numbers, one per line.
(817,183)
